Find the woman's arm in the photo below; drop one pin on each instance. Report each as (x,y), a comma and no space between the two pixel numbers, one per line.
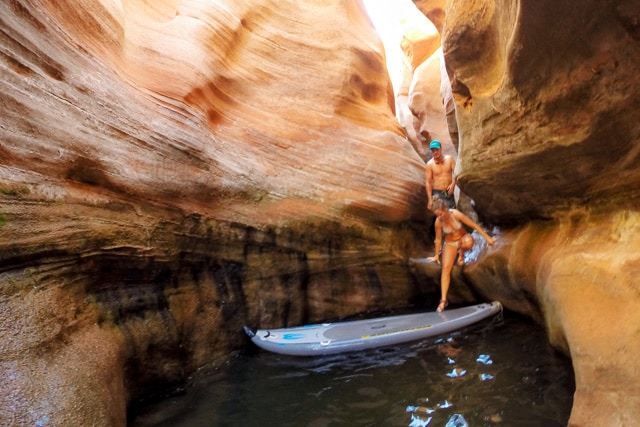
(438,242)
(471,223)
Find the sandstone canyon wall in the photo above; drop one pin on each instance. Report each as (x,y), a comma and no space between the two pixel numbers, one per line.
(170,170)
(547,110)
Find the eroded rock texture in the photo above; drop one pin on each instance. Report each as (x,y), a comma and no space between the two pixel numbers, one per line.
(172,170)
(547,110)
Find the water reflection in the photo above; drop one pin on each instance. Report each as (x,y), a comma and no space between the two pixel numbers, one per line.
(500,373)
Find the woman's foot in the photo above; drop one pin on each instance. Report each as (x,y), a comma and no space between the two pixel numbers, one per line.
(443,304)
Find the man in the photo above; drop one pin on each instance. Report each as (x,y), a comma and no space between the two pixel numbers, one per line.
(439,176)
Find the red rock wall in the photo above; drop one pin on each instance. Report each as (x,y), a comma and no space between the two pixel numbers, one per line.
(546,104)
(172,170)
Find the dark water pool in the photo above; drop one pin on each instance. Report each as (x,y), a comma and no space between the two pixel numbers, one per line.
(499,373)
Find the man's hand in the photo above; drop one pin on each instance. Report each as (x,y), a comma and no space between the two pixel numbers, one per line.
(430,204)
(435,259)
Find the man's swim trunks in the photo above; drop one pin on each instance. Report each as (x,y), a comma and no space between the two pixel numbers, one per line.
(442,195)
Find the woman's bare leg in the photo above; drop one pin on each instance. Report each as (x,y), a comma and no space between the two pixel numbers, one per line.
(448,257)
(465,243)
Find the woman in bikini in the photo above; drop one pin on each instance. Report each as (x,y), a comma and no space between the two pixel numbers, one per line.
(450,222)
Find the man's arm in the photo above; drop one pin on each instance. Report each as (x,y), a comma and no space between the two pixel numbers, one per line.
(429,179)
(454,178)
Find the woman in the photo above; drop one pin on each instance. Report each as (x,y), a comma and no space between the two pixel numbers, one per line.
(456,241)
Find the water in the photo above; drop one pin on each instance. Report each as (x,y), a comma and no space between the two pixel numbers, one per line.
(499,373)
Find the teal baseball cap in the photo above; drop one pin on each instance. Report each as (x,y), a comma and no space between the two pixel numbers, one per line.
(435,144)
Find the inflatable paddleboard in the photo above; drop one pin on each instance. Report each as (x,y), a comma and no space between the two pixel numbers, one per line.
(332,338)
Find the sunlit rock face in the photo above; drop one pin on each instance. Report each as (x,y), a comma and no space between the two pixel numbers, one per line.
(412,110)
(547,110)
(426,103)
(170,171)
(195,80)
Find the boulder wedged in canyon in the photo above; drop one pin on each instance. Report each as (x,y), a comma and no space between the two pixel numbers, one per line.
(172,170)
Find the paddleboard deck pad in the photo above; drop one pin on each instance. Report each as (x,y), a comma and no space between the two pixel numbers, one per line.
(333,338)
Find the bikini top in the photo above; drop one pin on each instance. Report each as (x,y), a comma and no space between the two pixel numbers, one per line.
(456,226)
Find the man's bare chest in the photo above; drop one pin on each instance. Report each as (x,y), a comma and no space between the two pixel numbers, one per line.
(440,168)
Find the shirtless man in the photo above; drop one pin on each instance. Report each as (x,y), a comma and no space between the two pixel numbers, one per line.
(439,176)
